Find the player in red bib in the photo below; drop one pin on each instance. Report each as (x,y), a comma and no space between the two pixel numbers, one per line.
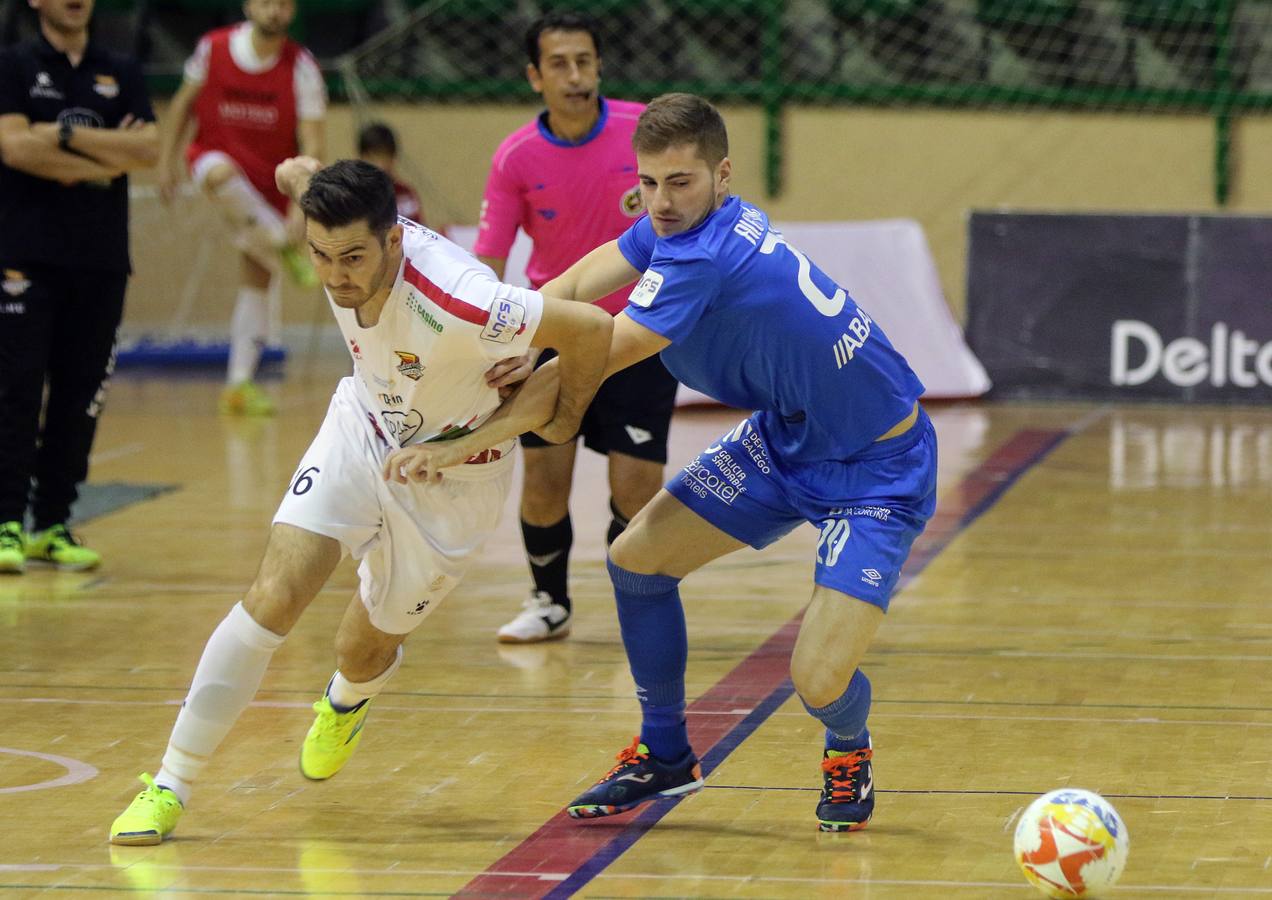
(256,98)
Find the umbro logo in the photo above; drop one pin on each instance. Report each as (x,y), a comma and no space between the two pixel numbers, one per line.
(638,435)
(639,779)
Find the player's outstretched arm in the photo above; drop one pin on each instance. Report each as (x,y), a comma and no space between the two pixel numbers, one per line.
(601,272)
(552,401)
(528,408)
(560,391)
(580,333)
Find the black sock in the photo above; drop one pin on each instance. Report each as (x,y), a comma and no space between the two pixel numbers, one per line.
(548,552)
(618,524)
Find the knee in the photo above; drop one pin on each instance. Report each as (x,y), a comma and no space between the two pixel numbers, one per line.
(545,495)
(215,179)
(275,603)
(630,496)
(629,551)
(819,682)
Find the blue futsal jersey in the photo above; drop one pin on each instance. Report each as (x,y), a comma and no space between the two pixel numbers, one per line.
(754,324)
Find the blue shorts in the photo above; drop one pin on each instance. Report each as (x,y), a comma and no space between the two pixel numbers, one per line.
(869,508)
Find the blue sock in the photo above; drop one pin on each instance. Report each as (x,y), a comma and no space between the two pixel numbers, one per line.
(652,623)
(845,716)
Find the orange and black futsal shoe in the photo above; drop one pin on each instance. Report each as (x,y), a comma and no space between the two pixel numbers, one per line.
(847,797)
(637,779)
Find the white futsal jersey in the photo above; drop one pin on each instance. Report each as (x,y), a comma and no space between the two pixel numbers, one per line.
(420,370)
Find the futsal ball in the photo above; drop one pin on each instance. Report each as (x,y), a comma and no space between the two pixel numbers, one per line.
(1071,843)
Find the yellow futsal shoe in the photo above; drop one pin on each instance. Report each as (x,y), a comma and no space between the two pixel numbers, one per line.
(149,818)
(298,267)
(246,399)
(12,547)
(331,739)
(59,547)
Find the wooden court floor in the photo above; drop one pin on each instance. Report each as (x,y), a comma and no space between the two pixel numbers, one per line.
(1092,607)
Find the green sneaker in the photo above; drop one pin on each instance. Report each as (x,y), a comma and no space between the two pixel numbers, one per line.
(331,740)
(149,818)
(58,546)
(246,399)
(12,548)
(298,267)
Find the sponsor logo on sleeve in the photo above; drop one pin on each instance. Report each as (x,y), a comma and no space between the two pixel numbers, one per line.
(506,318)
(646,289)
(631,203)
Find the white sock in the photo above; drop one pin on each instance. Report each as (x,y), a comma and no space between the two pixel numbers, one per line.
(345,694)
(249,326)
(233,664)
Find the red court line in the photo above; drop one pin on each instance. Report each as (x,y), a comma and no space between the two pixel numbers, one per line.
(562,846)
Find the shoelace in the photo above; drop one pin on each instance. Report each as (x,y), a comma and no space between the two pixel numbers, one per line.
(335,732)
(628,756)
(537,602)
(153,794)
(11,539)
(60,534)
(841,770)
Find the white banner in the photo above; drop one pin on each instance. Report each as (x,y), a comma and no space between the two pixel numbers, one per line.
(887,268)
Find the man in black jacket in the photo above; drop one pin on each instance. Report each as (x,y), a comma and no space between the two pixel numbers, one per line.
(74,120)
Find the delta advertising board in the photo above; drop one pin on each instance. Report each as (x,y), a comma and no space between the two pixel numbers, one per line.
(1122,306)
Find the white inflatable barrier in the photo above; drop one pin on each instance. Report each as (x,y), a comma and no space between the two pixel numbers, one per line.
(886,267)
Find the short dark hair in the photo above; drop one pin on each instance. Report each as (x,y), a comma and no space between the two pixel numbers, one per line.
(673,120)
(377,138)
(349,191)
(560,21)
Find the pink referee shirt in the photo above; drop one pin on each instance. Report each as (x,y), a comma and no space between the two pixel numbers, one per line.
(569,197)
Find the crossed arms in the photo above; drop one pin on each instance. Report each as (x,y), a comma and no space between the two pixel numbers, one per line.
(93,154)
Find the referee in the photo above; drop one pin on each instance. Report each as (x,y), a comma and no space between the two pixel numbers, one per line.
(74,120)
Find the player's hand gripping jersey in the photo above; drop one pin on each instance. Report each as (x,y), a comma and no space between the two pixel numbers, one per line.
(420,370)
(754,324)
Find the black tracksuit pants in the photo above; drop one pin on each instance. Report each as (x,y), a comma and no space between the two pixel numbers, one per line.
(57,328)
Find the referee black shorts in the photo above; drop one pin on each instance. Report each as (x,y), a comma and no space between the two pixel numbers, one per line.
(631,412)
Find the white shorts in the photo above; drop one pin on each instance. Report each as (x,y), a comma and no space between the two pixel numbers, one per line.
(208,160)
(413,542)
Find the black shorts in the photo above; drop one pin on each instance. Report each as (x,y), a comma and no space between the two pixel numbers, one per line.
(631,413)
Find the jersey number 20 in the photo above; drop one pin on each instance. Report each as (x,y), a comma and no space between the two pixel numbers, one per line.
(827,306)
